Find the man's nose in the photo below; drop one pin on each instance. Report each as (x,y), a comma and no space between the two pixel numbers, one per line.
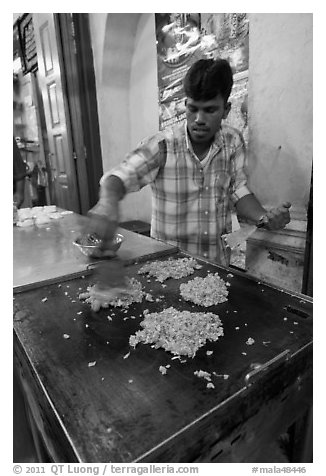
(200,117)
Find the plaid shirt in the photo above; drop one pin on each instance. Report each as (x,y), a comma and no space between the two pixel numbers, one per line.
(191,199)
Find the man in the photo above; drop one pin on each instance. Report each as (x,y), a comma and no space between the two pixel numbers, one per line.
(19,174)
(196,171)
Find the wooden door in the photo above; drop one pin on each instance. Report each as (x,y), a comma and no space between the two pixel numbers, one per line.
(61,156)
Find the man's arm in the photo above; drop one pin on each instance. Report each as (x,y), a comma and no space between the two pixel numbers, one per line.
(249,207)
(112,186)
(246,204)
(139,168)
(104,216)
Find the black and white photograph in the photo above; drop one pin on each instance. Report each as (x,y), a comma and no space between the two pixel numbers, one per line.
(162,244)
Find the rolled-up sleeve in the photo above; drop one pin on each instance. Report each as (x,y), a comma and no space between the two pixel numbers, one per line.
(239,187)
(140,167)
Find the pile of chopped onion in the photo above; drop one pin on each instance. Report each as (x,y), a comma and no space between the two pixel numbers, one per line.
(116,297)
(178,332)
(206,291)
(171,268)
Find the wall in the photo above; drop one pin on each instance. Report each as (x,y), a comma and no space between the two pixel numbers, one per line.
(281,107)
(280,100)
(144,113)
(124,51)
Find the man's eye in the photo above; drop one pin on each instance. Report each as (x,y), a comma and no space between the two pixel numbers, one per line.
(191,109)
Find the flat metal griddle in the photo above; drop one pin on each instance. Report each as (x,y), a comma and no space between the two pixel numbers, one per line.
(119,407)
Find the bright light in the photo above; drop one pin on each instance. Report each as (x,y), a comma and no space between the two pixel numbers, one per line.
(17,66)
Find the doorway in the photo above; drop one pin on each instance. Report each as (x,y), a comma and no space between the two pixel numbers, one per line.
(63,138)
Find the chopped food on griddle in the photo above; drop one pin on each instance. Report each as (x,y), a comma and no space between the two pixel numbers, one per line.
(206,291)
(162,369)
(225,376)
(171,268)
(250,341)
(203,374)
(116,297)
(178,332)
(149,297)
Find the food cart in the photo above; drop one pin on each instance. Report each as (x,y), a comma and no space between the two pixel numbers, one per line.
(92,398)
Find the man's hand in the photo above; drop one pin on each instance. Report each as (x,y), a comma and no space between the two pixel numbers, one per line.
(103,221)
(104,216)
(278,217)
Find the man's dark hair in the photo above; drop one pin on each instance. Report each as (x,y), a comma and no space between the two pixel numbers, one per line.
(207,78)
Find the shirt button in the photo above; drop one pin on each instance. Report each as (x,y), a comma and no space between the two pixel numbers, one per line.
(206,212)
(205,232)
(206,188)
(205,255)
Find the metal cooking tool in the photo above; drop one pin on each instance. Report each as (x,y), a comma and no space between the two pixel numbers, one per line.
(233,240)
(111,275)
(236,238)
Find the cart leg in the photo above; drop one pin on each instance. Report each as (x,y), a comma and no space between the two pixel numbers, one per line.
(24,450)
(301,439)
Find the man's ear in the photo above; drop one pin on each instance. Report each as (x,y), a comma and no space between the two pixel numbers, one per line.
(227,109)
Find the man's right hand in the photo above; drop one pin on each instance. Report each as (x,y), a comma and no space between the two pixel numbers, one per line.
(104,216)
(103,221)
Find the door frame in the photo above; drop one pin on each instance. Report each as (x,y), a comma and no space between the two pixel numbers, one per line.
(79,76)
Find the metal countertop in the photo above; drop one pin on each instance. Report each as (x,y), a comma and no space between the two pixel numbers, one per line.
(44,252)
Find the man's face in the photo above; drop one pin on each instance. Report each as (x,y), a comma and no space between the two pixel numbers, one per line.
(204,118)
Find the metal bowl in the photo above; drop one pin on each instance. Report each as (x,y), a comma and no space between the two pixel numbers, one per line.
(89,245)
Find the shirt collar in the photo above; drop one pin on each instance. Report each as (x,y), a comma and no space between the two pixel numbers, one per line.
(216,145)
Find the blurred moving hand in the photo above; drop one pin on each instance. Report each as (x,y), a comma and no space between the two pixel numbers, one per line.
(103,220)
